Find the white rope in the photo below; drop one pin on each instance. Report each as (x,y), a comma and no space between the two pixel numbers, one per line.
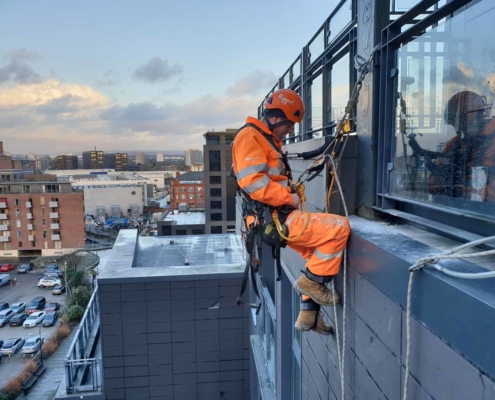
(431,260)
(341,359)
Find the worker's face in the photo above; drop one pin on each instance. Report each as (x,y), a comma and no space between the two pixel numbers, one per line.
(280,131)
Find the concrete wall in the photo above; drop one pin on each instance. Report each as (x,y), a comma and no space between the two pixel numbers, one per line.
(122,196)
(178,340)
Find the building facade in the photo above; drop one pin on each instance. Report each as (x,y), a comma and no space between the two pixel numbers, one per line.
(181,224)
(220,188)
(139,158)
(66,162)
(40,218)
(92,159)
(187,192)
(116,161)
(108,200)
(193,156)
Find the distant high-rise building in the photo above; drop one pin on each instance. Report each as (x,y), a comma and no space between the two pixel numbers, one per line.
(139,159)
(93,159)
(117,161)
(194,157)
(66,162)
(220,189)
(159,157)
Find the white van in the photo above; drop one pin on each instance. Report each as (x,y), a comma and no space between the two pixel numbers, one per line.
(4,279)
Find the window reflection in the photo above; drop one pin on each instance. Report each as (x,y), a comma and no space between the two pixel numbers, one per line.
(445,131)
(340,20)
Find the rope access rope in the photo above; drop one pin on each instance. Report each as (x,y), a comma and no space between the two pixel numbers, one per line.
(431,260)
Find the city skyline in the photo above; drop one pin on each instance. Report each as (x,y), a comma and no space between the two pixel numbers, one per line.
(114,75)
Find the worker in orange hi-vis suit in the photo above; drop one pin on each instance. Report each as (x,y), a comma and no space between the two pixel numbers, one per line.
(260,169)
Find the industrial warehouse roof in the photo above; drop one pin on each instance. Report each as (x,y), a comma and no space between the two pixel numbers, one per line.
(186,218)
(148,258)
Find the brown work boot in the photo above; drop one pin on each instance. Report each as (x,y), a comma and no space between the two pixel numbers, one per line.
(306,322)
(319,292)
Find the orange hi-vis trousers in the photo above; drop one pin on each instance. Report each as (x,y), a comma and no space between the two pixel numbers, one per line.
(322,243)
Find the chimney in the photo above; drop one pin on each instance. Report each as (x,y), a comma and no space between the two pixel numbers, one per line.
(1,147)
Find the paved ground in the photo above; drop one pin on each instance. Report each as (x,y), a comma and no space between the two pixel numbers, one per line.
(23,291)
(49,382)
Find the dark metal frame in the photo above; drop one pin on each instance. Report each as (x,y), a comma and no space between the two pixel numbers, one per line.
(393,37)
(301,81)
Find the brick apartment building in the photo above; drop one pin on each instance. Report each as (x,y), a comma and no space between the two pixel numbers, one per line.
(187,191)
(40,218)
(220,188)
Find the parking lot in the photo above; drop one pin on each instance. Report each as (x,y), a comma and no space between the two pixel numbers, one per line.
(24,290)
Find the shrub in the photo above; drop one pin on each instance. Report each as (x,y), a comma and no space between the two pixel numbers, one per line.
(62,332)
(13,385)
(31,366)
(8,396)
(75,313)
(80,297)
(49,347)
(75,279)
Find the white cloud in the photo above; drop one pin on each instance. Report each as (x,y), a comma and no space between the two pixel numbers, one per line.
(257,82)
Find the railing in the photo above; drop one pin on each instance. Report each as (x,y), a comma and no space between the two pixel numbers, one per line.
(79,364)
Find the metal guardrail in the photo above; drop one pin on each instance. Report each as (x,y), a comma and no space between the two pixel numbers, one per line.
(77,361)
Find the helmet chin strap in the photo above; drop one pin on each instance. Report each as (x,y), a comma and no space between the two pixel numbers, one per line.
(273,126)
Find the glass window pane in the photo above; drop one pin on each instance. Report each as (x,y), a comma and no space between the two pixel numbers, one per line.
(317,105)
(296,379)
(339,88)
(340,20)
(445,127)
(316,47)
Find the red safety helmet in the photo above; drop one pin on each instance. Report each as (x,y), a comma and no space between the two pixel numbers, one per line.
(287,101)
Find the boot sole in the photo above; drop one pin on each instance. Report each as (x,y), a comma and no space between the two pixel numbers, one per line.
(301,291)
(300,327)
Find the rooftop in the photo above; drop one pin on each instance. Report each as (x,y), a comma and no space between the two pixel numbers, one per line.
(146,257)
(185,218)
(192,176)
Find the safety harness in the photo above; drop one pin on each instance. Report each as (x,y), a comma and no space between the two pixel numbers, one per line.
(263,229)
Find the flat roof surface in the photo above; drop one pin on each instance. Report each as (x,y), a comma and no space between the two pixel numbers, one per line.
(148,258)
(186,218)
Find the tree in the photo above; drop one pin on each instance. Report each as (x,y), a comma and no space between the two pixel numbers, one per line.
(80,297)
(75,313)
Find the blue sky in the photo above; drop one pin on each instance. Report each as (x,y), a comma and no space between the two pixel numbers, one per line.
(140,74)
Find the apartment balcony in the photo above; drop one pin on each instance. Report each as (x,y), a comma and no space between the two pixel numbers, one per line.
(29,216)
(31,238)
(4,239)
(54,215)
(3,204)
(55,237)
(4,217)
(29,204)
(54,226)
(4,228)
(53,204)
(30,227)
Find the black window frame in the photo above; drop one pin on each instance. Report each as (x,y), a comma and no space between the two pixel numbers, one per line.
(215,192)
(215,160)
(217,217)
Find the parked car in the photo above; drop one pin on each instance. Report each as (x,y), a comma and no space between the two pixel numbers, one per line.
(32,345)
(52,307)
(49,282)
(5,317)
(18,319)
(7,267)
(59,289)
(55,274)
(50,319)
(4,306)
(34,319)
(12,346)
(51,268)
(24,268)
(4,279)
(18,307)
(37,304)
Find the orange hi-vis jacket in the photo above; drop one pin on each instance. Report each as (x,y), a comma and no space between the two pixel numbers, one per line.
(259,167)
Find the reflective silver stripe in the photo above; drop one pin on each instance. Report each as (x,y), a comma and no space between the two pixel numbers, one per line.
(326,257)
(253,187)
(283,183)
(252,169)
(292,217)
(274,171)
